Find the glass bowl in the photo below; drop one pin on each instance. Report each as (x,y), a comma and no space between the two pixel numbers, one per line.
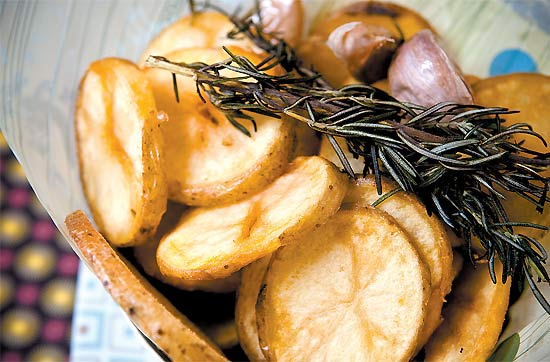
(46,46)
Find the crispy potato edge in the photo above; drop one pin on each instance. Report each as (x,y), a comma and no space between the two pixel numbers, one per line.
(152,313)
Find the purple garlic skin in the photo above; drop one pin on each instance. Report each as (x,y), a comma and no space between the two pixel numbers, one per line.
(366,49)
(423,73)
(283,18)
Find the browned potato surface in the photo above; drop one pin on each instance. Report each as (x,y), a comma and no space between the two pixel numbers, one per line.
(214,242)
(207,160)
(119,151)
(528,93)
(471,79)
(153,314)
(355,289)
(199,30)
(473,317)
(458,264)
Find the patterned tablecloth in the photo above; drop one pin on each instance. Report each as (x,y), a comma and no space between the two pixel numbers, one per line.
(101,330)
(38,273)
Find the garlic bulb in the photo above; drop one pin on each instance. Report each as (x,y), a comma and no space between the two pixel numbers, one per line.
(423,73)
(283,19)
(366,49)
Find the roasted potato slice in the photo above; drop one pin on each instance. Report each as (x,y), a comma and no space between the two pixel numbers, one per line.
(528,93)
(198,30)
(207,160)
(211,243)
(473,317)
(427,233)
(146,256)
(152,313)
(252,277)
(119,151)
(524,92)
(355,289)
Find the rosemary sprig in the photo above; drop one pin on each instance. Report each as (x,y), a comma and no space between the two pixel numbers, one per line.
(457,158)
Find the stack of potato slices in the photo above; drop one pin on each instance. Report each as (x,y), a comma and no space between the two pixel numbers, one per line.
(320,273)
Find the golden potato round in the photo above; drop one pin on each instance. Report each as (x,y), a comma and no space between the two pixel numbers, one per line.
(427,233)
(207,160)
(223,333)
(524,92)
(199,30)
(458,264)
(146,257)
(471,79)
(355,289)
(214,242)
(528,93)
(119,146)
(473,317)
(151,312)
(382,84)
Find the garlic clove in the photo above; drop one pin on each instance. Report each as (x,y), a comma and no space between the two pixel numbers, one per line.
(423,73)
(283,19)
(366,49)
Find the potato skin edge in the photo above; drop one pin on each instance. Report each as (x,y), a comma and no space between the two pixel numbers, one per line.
(158,318)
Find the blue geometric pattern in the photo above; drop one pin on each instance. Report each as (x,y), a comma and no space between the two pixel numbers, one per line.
(90,327)
(101,332)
